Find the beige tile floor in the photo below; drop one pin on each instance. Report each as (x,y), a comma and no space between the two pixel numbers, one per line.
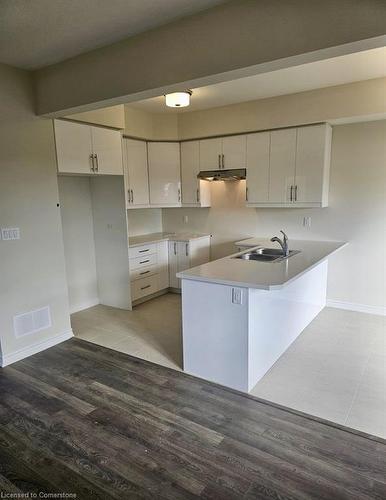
(336,369)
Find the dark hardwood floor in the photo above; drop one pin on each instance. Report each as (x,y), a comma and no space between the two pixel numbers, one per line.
(82,419)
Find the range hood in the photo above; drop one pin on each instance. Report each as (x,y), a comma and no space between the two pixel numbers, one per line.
(232,174)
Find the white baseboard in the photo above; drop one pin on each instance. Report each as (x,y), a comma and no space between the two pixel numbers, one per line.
(12,357)
(352,306)
(84,305)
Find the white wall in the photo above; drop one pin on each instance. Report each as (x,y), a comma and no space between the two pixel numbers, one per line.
(32,269)
(79,244)
(356,213)
(144,221)
(112,116)
(152,126)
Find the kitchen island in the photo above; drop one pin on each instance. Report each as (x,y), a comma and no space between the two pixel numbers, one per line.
(239,316)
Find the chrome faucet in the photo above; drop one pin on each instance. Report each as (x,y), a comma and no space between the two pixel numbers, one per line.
(283,243)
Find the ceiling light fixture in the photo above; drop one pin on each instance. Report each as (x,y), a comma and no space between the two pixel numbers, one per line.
(178,99)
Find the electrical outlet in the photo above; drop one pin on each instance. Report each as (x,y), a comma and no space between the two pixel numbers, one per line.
(306,221)
(237,296)
(10,233)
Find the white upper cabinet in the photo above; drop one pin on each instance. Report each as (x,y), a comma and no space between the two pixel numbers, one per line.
(312,165)
(210,154)
(282,165)
(164,173)
(258,147)
(107,149)
(136,173)
(223,153)
(289,167)
(84,149)
(73,147)
(234,151)
(195,192)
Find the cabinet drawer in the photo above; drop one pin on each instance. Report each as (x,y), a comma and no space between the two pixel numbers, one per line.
(144,261)
(144,286)
(143,272)
(142,250)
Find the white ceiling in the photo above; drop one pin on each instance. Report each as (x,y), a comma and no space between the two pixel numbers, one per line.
(345,69)
(36,33)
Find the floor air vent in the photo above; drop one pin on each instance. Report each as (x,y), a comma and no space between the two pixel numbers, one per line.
(32,322)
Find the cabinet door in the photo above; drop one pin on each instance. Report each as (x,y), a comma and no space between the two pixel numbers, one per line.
(234,150)
(282,165)
(164,173)
(162,261)
(73,147)
(199,251)
(190,166)
(312,163)
(107,146)
(258,146)
(136,171)
(210,154)
(173,264)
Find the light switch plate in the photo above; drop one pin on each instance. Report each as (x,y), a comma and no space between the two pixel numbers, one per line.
(10,233)
(237,296)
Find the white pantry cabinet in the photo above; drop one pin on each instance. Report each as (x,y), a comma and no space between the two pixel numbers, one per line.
(293,171)
(186,254)
(85,149)
(223,153)
(195,192)
(136,173)
(164,173)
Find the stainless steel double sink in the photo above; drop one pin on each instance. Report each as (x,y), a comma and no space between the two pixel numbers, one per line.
(266,255)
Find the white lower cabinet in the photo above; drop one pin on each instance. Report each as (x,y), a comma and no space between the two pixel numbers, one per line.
(148,269)
(186,254)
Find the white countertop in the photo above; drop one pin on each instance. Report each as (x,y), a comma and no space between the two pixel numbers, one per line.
(264,275)
(144,239)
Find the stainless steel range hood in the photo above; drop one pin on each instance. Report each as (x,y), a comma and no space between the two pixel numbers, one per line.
(233,174)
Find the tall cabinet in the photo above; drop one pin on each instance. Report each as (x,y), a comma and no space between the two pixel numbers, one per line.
(164,173)
(195,192)
(136,173)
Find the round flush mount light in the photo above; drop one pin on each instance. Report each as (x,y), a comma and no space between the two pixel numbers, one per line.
(178,99)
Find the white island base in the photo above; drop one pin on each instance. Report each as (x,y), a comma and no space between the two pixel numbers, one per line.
(233,335)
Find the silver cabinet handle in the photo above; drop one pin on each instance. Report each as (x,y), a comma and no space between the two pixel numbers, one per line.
(179,194)
(96,168)
(296,193)
(246,194)
(219,161)
(144,287)
(175,248)
(198,196)
(187,249)
(92,167)
(223,161)
(144,272)
(291,193)
(128,196)
(143,251)
(132,196)
(144,261)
